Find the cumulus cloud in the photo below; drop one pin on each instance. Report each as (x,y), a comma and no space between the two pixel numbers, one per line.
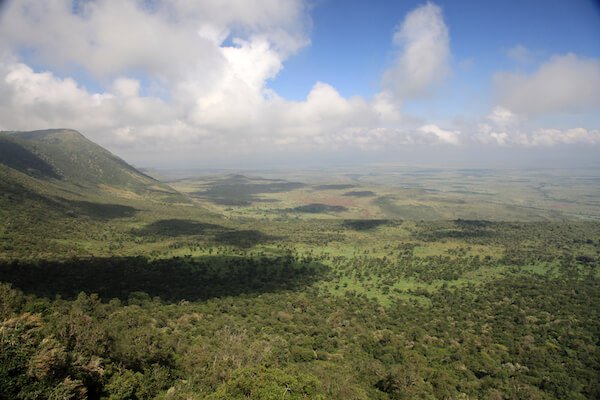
(209,86)
(503,118)
(445,136)
(170,39)
(127,87)
(552,137)
(38,100)
(424,56)
(503,127)
(41,99)
(563,84)
(497,128)
(214,59)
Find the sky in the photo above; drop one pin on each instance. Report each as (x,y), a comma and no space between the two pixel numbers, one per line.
(269,83)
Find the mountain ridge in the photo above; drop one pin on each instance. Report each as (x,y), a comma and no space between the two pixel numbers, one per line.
(52,174)
(66,155)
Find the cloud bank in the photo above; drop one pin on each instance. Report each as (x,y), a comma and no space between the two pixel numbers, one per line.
(563,84)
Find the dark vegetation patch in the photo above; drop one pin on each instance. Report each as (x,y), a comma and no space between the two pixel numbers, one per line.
(360,193)
(588,260)
(473,223)
(364,224)
(99,210)
(476,172)
(388,205)
(444,200)
(460,229)
(317,208)
(465,191)
(240,191)
(229,202)
(339,186)
(172,280)
(236,202)
(16,156)
(217,234)
(177,227)
(243,238)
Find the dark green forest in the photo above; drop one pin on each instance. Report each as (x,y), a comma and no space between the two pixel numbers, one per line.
(250,326)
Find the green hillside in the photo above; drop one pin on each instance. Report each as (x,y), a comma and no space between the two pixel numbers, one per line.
(60,171)
(65,156)
(57,185)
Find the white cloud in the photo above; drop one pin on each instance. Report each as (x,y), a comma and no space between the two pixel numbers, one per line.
(209,87)
(217,92)
(487,134)
(503,127)
(503,118)
(444,136)
(386,108)
(553,137)
(425,53)
(126,87)
(168,39)
(564,84)
(38,100)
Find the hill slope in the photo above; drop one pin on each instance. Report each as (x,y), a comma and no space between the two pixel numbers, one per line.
(57,181)
(65,156)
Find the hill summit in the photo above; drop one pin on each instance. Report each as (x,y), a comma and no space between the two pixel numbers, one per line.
(64,157)
(65,154)
(51,174)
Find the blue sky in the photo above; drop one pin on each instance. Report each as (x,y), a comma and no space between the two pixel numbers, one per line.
(351,40)
(351,45)
(208,81)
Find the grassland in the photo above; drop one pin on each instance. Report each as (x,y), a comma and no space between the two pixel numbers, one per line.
(402,193)
(236,214)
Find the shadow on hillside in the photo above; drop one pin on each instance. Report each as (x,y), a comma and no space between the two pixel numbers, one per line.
(360,193)
(245,238)
(18,195)
(178,227)
(16,156)
(458,229)
(317,208)
(365,224)
(335,187)
(238,190)
(217,234)
(101,211)
(172,280)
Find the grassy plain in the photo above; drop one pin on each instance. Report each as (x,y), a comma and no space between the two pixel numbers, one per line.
(252,215)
